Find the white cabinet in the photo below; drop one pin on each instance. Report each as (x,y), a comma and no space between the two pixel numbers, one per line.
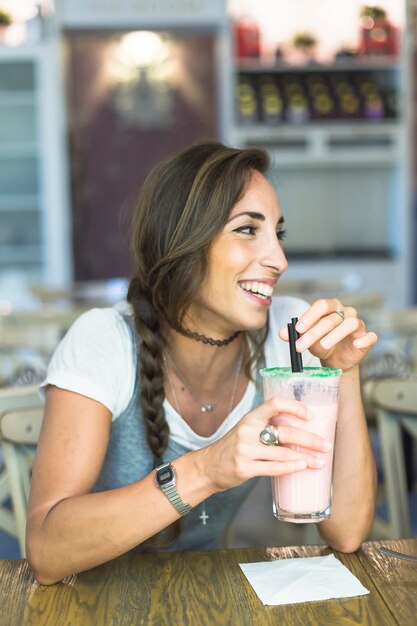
(20,197)
(342,176)
(34,233)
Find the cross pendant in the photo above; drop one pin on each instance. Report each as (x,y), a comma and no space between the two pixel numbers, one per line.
(204,517)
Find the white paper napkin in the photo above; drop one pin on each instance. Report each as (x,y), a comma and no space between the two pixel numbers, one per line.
(302,580)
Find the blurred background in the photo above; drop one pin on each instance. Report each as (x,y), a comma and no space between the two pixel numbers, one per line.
(94,92)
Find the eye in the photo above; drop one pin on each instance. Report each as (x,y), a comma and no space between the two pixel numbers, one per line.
(246,230)
(281,234)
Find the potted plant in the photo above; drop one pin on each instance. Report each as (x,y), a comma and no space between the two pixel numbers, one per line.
(374,12)
(304,41)
(305,44)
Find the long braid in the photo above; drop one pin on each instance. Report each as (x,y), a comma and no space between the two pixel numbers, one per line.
(151,380)
(150,371)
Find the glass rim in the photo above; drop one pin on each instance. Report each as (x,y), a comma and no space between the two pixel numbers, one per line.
(308,372)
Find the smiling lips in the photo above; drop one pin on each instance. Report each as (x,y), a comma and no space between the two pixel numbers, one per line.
(259,289)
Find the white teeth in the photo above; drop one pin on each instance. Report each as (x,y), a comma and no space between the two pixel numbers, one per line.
(256,287)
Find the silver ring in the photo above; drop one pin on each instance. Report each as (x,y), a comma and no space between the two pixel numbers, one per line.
(269,436)
(341,313)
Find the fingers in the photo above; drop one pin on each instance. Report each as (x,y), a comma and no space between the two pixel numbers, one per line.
(291,435)
(329,335)
(265,468)
(274,461)
(329,331)
(271,408)
(274,467)
(322,308)
(322,323)
(295,444)
(321,311)
(365,341)
(240,454)
(284,454)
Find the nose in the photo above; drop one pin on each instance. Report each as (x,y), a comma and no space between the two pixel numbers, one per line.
(274,255)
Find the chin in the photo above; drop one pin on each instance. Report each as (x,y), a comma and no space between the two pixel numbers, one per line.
(254,323)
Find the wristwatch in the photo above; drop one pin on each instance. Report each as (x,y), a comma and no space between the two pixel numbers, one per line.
(165,479)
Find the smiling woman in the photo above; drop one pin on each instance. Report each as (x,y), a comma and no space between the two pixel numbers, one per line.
(245,260)
(153,408)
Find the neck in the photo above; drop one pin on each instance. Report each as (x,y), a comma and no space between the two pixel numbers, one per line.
(201,363)
(218,343)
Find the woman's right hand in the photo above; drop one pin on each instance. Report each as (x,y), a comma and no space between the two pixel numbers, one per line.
(240,455)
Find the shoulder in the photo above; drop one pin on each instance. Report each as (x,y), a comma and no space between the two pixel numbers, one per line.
(101,332)
(98,326)
(106,319)
(97,358)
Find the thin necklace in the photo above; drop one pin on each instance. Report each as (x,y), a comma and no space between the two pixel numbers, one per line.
(204,516)
(204,408)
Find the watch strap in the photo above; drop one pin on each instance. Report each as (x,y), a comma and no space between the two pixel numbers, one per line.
(171,491)
(174,497)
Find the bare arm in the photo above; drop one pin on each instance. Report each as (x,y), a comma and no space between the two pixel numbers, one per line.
(354,478)
(70,529)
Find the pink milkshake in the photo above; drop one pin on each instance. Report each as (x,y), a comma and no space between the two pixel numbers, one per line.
(305,496)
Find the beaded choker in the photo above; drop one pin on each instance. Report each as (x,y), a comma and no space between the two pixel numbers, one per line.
(208,340)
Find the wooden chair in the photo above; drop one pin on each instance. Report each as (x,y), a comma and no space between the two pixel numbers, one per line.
(85,294)
(397,333)
(21,411)
(395,404)
(39,329)
(27,341)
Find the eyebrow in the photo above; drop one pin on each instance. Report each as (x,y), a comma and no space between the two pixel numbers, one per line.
(256,216)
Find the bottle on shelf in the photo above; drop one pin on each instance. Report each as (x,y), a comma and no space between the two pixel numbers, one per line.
(246,38)
(378,36)
(271,103)
(247,105)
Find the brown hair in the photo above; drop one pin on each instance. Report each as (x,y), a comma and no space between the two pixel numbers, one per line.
(184,203)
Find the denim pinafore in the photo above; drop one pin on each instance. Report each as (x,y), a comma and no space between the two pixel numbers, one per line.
(128,458)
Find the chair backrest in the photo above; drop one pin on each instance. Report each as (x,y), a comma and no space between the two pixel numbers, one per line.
(394,401)
(21,411)
(393,394)
(40,329)
(397,322)
(21,426)
(27,341)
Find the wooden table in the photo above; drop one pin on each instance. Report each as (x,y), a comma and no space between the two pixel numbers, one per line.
(196,588)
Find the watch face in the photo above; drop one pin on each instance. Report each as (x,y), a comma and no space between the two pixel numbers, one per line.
(164,476)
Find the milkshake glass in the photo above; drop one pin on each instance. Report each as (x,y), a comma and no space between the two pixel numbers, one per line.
(305,496)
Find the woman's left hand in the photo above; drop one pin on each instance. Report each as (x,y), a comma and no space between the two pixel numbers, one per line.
(333,333)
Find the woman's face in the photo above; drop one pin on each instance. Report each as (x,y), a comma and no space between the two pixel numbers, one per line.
(244,263)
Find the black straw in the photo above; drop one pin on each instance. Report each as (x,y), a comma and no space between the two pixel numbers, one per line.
(296,358)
